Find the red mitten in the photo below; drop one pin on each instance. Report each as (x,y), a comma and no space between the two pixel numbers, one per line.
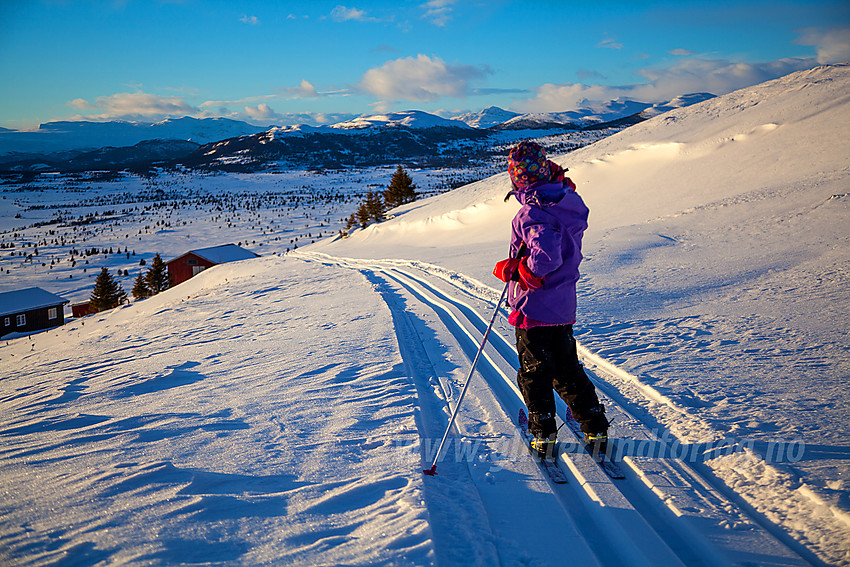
(527,279)
(506,269)
(557,172)
(559,175)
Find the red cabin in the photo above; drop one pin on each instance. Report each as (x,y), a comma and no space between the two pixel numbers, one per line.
(82,309)
(194,262)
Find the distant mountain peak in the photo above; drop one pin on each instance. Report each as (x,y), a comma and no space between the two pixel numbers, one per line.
(416,119)
(490,116)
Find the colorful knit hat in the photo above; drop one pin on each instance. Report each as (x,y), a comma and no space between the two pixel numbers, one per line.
(527,164)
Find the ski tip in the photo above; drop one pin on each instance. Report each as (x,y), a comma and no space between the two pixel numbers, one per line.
(430,472)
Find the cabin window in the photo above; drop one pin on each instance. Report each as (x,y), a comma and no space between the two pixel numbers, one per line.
(7,322)
(52,313)
(192,262)
(21,320)
(197,270)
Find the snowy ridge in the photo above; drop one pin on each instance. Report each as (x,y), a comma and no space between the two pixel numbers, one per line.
(69,135)
(62,136)
(491,116)
(410,119)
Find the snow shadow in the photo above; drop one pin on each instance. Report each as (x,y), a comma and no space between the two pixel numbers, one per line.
(82,429)
(197,552)
(179,375)
(196,482)
(204,508)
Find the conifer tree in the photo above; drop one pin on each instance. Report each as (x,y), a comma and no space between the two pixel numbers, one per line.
(350,223)
(107,293)
(401,189)
(158,279)
(362,215)
(140,287)
(375,206)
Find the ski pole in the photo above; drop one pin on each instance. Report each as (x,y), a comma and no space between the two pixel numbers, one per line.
(433,470)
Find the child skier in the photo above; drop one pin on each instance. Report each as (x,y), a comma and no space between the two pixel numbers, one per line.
(542,271)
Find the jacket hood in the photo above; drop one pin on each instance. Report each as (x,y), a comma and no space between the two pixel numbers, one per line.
(541,194)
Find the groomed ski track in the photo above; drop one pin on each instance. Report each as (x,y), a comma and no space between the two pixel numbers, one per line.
(665,512)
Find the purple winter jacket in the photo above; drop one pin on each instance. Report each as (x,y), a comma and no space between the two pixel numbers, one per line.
(551,222)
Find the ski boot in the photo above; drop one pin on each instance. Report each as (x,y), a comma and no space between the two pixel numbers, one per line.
(545,433)
(544,447)
(597,442)
(597,438)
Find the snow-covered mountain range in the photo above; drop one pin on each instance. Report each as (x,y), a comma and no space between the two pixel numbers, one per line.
(62,136)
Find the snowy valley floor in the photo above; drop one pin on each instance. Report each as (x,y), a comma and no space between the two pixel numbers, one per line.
(280,410)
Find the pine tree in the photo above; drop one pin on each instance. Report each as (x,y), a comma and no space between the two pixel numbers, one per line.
(140,287)
(401,189)
(350,223)
(158,278)
(362,215)
(375,206)
(107,293)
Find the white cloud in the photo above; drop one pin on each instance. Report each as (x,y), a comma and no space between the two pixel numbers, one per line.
(682,52)
(832,44)
(252,20)
(135,106)
(610,43)
(711,75)
(223,104)
(261,112)
(420,78)
(557,98)
(344,14)
(439,12)
(663,84)
(81,104)
(304,90)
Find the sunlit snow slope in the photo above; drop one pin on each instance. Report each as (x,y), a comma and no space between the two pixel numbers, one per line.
(717,268)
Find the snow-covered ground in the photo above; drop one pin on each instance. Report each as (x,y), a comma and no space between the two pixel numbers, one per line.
(280,410)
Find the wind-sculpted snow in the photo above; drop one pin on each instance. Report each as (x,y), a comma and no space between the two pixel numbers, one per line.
(246,417)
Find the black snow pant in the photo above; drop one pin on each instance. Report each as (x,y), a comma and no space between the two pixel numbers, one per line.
(547,360)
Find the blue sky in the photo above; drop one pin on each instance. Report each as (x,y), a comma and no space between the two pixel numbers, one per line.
(316,61)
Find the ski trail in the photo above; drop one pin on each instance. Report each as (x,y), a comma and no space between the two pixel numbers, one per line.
(665,503)
(452,546)
(514,514)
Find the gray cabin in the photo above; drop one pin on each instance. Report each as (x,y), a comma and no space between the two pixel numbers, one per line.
(31,309)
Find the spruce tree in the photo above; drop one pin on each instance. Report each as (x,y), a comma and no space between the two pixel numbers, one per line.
(362,215)
(158,278)
(401,189)
(375,206)
(107,293)
(350,223)
(140,287)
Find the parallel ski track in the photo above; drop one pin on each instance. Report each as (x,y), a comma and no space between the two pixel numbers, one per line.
(635,507)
